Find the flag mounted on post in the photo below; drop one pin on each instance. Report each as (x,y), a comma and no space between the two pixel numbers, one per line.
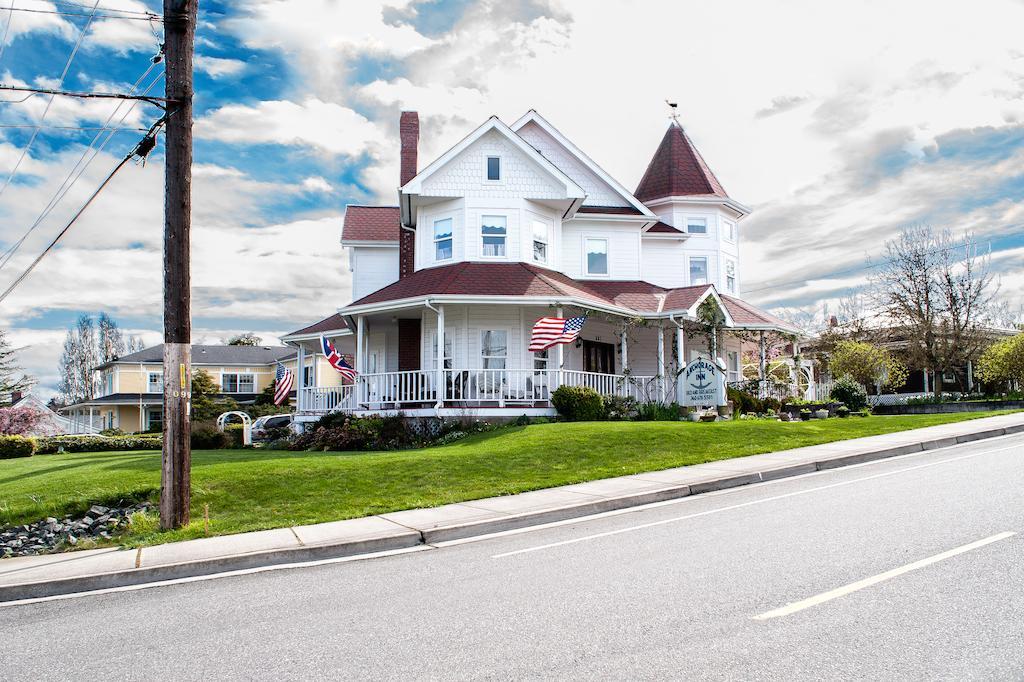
(551,331)
(283,384)
(336,360)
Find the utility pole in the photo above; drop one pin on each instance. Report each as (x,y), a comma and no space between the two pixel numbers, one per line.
(175,483)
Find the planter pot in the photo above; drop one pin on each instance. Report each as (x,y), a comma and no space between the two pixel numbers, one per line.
(693,417)
(709,418)
(821,414)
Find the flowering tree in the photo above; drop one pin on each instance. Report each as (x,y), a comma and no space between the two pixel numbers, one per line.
(18,421)
(1003,361)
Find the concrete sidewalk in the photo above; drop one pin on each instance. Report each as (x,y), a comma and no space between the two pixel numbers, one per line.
(47,575)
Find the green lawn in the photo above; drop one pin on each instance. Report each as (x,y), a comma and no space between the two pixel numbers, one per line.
(258,489)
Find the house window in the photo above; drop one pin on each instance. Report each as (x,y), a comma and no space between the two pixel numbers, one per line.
(596,256)
(698,270)
(540,241)
(108,383)
(443,239)
(432,349)
(540,359)
(697,225)
(730,276)
(493,168)
(155,419)
(730,230)
(307,376)
(238,383)
(155,382)
(109,420)
(494,348)
(493,228)
(733,360)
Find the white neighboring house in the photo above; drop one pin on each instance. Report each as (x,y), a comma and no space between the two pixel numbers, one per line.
(512,224)
(50,423)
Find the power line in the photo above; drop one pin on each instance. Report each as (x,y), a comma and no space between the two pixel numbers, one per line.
(82,128)
(42,119)
(72,178)
(82,95)
(80,5)
(7,28)
(144,147)
(147,17)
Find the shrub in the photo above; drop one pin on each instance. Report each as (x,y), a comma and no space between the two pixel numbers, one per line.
(805,415)
(235,434)
(112,432)
(578,403)
(619,408)
(367,433)
(16,446)
(522,420)
(842,411)
(743,401)
(771,404)
(54,444)
(850,393)
(659,412)
(207,437)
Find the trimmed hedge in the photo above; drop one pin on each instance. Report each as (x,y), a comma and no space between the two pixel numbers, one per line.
(16,446)
(578,403)
(54,444)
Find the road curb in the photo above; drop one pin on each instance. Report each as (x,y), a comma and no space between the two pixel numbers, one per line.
(412,537)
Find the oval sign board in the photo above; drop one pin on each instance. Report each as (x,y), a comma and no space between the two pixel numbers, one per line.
(703,384)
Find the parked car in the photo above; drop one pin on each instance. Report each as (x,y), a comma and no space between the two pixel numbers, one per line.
(271,426)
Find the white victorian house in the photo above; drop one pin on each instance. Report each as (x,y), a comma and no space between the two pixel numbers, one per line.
(515,223)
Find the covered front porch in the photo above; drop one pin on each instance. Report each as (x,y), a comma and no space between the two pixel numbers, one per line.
(480,365)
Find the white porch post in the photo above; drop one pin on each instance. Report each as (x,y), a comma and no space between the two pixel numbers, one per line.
(625,350)
(439,381)
(90,419)
(300,380)
(762,368)
(360,358)
(661,362)
(559,359)
(680,362)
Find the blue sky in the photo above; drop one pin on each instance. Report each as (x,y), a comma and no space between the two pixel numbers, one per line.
(910,113)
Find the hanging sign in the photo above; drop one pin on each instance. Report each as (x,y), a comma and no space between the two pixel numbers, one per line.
(703,384)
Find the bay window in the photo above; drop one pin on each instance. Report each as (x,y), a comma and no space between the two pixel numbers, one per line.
(730,276)
(493,229)
(698,270)
(540,241)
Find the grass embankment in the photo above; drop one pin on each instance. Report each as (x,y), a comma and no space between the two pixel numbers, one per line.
(258,489)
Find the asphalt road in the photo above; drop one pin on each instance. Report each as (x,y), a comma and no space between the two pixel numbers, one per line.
(908,565)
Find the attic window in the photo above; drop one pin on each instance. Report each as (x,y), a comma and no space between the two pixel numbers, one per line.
(494,168)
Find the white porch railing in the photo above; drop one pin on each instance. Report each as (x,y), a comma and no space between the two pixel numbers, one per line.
(468,387)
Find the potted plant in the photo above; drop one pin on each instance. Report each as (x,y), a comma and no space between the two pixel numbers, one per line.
(821,414)
(842,411)
(805,415)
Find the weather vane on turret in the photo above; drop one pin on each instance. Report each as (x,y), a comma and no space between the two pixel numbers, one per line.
(673,109)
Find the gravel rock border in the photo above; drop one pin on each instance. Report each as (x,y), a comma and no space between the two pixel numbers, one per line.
(51,533)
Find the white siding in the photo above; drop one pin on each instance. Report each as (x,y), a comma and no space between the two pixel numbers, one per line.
(372,268)
(664,262)
(465,175)
(623,248)
(659,261)
(599,193)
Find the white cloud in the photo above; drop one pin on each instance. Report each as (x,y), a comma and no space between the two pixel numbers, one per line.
(218,67)
(316,184)
(319,125)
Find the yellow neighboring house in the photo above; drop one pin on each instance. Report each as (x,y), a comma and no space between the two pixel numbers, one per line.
(131,387)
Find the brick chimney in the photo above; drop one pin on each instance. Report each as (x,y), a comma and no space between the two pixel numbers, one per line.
(409,132)
(16,396)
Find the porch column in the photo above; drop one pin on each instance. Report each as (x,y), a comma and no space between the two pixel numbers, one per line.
(970,376)
(300,380)
(439,381)
(762,368)
(360,359)
(661,362)
(559,359)
(90,419)
(680,362)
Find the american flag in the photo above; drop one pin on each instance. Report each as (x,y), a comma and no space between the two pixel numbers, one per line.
(285,379)
(550,331)
(336,360)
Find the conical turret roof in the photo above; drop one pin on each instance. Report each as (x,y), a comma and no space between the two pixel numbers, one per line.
(677,169)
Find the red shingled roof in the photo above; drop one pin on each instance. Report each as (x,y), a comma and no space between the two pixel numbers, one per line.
(677,169)
(371,223)
(521,279)
(666,228)
(328,324)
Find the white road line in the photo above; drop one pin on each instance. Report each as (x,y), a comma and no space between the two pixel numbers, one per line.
(881,577)
(741,505)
